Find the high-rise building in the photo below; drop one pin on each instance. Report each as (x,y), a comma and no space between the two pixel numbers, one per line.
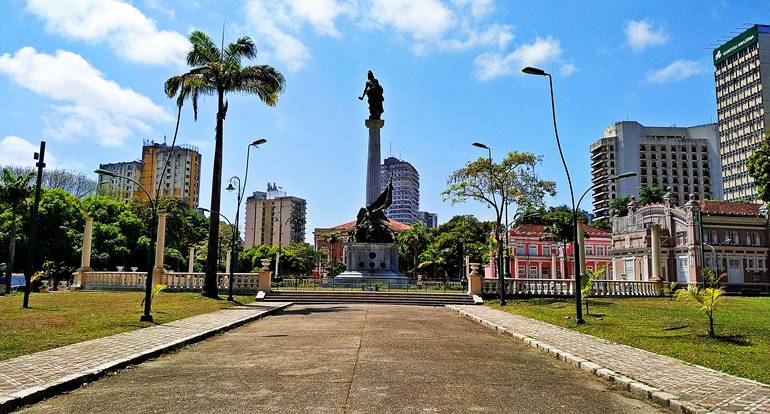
(741,70)
(181,178)
(118,187)
(684,159)
(274,218)
(430,220)
(406,190)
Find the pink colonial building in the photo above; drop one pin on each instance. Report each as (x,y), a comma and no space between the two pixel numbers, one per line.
(535,257)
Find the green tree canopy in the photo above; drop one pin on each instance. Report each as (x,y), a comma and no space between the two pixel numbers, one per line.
(650,195)
(758,167)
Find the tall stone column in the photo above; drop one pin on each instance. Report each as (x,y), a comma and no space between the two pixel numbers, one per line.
(191,261)
(656,264)
(373,160)
(581,243)
(85,258)
(554,273)
(227,263)
(160,248)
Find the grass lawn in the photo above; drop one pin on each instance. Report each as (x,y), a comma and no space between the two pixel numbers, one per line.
(61,318)
(670,327)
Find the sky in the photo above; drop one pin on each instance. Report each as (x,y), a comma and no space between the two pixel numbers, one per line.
(87,77)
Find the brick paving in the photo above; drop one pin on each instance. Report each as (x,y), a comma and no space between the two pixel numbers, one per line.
(35,376)
(675,384)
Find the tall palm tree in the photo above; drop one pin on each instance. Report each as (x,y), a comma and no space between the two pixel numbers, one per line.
(332,238)
(650,195)
(14,191)
(218,71)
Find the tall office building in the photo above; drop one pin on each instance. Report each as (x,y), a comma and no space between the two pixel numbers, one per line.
(181,178)
(274,218)
(684,159)
(430,220)
(117,187)
(741,68)
(406,190)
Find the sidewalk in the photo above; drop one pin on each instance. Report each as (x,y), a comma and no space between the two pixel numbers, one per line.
(36,376)
(672,383)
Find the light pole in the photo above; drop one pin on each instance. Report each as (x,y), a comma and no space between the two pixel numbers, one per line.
(236,229)
(232,251)
(147,316)
(716,255)
(500,274)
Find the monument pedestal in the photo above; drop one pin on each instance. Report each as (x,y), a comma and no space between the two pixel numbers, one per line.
(369,264)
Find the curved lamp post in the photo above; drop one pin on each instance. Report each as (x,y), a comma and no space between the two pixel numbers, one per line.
(578,306)
(500,272)
(147,316)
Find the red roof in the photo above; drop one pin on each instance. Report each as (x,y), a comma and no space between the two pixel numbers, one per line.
(729,208)
(393,224)
(539,230)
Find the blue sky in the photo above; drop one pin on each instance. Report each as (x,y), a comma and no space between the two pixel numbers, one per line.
(88,76)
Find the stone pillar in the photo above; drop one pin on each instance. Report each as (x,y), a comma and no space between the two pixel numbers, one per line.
(554,273)
(656,263)
(581,243)
(160,248)
(373,161)
(227,262)
(265,279)
(191,261)
(474,280)
(85,258)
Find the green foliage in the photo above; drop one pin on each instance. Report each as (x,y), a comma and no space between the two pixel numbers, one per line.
(154,292)
(650,195)
(602,225)
(14,192)
(619,206)
(706,297)
(299,259)
(758,167)
(670,289)
(334,239)
(411,243)
(251,258)
(587,284)
(432,257)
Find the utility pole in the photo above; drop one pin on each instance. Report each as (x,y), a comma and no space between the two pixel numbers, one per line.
(30,269)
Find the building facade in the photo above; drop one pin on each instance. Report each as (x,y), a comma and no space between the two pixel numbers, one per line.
(406,190)
(274,218)
(181,178)
(430,220)
(533,256)
(686,160)
(118,187)
(741,69)
(663,240)
(336,249)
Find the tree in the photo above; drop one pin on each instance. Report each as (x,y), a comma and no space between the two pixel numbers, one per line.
(412,242)
(463,236)
(513,179)
(14,192)
(619,206)
(299,259)
(588,284)
(432,257)
(76,183)
(758,167)
(332,239)
(219,72)
(650,195)
(706,297)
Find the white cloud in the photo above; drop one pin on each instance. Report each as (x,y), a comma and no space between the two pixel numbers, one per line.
(92,105)
(285,48)
(640,34)
(540,51)
(676,71)
(567,69)
(423,20)
(124,28)
(19,152)
(478,8)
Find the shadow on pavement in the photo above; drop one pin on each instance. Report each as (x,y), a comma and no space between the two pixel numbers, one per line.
(325,309)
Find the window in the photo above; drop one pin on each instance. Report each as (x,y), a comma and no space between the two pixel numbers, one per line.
(546,273)
(600,250)
(520,251)
(533,271)
(521,271)
(533,250)
(628,269)
(589,250)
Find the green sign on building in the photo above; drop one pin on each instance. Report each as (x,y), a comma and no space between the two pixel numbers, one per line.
(747,38)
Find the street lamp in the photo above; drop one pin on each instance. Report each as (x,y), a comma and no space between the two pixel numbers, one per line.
(147,316)
(500,274)
(578,306)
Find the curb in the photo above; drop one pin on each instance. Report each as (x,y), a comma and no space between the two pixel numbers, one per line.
(70,382)
(640,389)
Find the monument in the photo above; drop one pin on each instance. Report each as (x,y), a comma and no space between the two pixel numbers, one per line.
(372,255)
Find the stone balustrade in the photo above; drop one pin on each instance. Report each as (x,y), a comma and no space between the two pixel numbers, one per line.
(565,288)
(243,283)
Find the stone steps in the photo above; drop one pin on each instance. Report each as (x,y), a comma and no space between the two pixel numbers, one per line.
(417,299)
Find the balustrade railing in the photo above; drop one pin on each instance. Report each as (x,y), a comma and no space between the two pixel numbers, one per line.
(565,288)
(174,281)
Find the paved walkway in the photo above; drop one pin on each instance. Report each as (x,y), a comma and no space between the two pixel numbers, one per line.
(34,376)
(681,386)
(352,359)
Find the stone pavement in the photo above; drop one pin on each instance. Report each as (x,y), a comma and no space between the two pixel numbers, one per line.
(354,358)
(675,384)
(32,377)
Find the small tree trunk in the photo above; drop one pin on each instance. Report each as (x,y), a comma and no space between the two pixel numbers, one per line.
(711,324)
(11,251)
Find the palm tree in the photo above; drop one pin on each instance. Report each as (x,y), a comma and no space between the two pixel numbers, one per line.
(650,195)
(619,206)
(433,257)
(14,191)
(332,238)
(218,72)
(414,241)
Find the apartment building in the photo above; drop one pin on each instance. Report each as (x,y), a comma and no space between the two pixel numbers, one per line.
(274,218)
(406,190)
(119,187)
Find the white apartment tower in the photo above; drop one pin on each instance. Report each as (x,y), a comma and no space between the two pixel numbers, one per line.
(274,218)
(118,187)
(686,160)
(406,190)
(741,68)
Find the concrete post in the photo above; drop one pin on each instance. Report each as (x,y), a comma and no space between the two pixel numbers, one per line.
(656,264)
(227,262)
(160,248)
(553,263)
(581,239)
(373,161)
(191,260)
(85,258)
(474,280)
(265,280)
